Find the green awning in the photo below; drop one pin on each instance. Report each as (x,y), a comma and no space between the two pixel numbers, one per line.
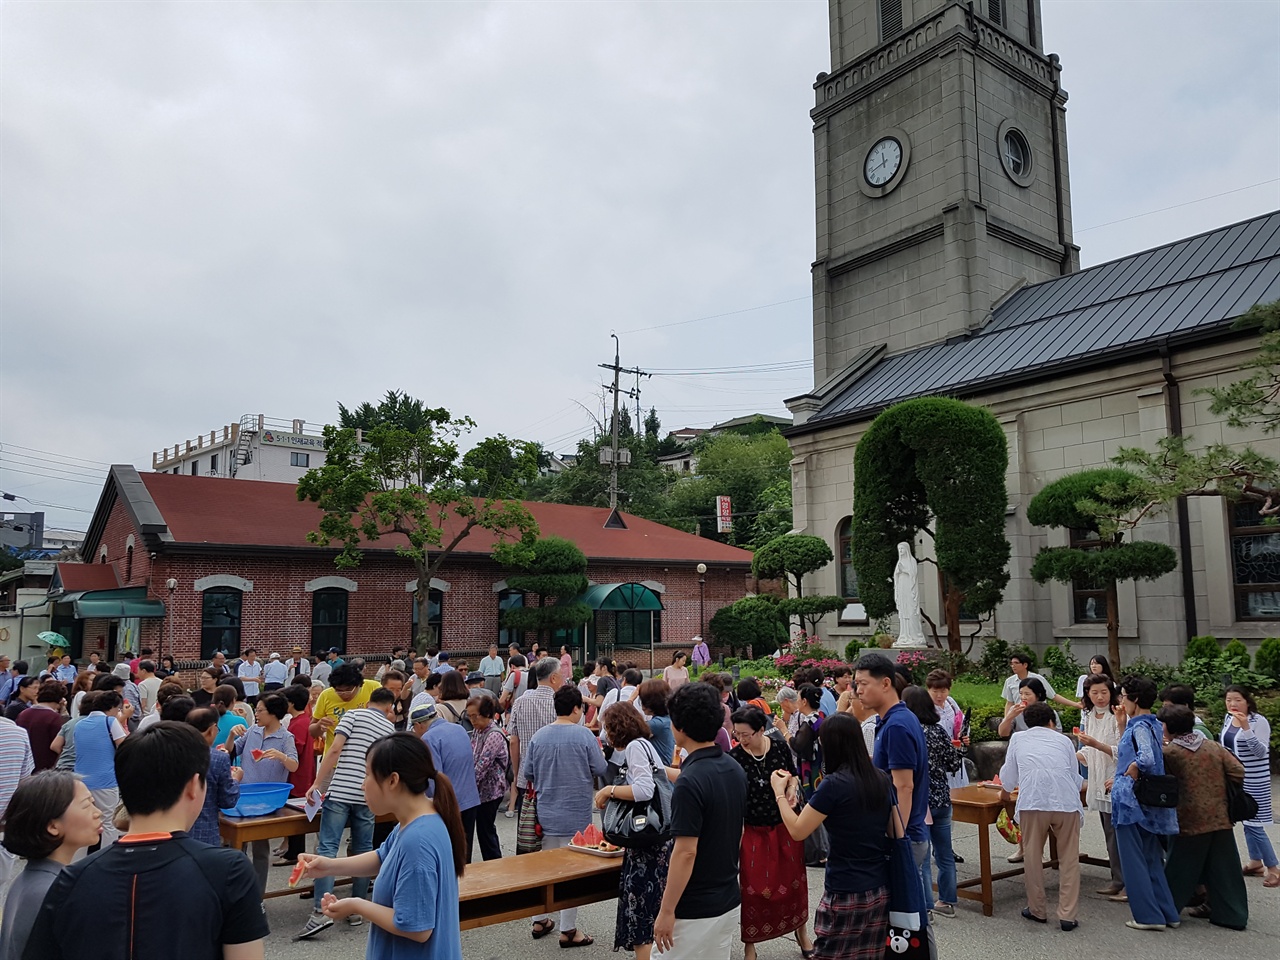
(111,609)
(112,604)
(618,596)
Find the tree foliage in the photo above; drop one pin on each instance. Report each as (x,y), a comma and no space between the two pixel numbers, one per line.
(810,610)
(1104,500)
(1255,399)
(551,568)
(790,557)
(934,461)
(755,621)
(408,478)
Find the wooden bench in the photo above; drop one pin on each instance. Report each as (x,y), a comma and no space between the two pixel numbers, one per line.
(497,891)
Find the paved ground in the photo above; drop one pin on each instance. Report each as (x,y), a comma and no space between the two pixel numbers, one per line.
(970,936)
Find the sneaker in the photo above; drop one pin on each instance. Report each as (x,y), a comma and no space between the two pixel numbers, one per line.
(315,923)
(944,909)
(509,814)
(355,920)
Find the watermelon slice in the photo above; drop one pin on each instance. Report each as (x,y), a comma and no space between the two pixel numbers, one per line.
(257,754)
(579,840)
(996,780)
(592,835)
(1076,731)
(296,873)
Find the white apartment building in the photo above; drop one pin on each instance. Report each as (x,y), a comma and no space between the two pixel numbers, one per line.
(256,448)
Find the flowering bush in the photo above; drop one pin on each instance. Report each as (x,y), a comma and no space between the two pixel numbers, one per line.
(918,661)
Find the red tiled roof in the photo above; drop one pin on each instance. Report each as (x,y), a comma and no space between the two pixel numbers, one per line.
(88,576)
(215,510)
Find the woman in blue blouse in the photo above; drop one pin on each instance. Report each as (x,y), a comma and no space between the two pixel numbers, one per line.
(1139,828)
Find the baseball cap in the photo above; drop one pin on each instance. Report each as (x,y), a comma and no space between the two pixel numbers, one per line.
(422,713)
(334,650)
(274,656)
(444,656)
(476,677)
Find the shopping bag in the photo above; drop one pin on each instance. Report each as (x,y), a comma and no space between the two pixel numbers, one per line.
(528,830)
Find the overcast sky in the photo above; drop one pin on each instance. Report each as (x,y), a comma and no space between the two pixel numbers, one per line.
(213,209)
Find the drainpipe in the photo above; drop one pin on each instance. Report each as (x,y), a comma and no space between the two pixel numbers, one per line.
(1173,408)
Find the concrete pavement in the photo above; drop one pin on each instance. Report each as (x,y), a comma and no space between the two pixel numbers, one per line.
(970,936)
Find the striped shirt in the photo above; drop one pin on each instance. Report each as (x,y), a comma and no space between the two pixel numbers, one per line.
(361,728)
(16,760)
(1253,748)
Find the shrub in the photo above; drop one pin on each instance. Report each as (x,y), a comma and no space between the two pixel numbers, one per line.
(919,663)
(853,647)
(1205,648)
(1061,663)
(994,664)
(1237,654)
(1161,674)
(1267,660)
(1027,652)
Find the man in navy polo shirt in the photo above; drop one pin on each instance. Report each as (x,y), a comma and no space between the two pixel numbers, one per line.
(123,900)
(699,916)
(900,750)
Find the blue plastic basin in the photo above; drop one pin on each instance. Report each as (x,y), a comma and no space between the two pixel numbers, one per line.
(259,799)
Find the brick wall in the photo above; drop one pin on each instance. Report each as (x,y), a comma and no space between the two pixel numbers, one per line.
(277,612)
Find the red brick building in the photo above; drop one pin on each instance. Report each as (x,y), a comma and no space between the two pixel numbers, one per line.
(195,564)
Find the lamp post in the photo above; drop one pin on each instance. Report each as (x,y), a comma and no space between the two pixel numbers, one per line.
(172,584)
(702,589)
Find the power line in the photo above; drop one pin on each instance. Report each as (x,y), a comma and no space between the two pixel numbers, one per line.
(51,453)
(45,476)
(717,316)
(1175,206)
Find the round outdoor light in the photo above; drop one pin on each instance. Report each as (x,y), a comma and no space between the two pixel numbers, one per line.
(702,568)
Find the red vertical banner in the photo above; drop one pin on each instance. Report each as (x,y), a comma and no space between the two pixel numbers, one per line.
(724,515)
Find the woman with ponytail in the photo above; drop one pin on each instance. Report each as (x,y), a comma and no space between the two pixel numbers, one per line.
(414,911)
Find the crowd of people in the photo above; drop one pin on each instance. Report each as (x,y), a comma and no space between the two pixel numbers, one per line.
(132,763)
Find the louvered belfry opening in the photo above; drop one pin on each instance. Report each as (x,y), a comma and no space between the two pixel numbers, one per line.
(890,18)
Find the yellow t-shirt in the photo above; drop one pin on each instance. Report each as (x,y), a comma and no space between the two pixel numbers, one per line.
(329,704)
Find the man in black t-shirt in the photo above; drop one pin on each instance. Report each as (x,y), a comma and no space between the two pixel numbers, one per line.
(123,900)
(699,917)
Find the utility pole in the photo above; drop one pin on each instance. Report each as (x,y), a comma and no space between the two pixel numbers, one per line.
(616,456)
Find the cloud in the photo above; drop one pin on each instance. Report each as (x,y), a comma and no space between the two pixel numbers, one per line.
(219,209)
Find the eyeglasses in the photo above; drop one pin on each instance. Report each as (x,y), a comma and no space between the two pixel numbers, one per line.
(741,735)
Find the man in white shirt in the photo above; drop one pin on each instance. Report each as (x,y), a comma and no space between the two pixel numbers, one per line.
(297,664)
(275,674)
(148,684)
(16,764)
(631,680)
(321,671)
(1041,765)
(1020,664)
(250,674)
(491,667)
(421,670)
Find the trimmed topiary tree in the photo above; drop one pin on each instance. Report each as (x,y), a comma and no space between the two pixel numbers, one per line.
(549,568)
(937,465)
(752,621)
(790,558)
(1098,500)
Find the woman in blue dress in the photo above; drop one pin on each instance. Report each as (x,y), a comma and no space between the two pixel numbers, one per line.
(414,912)
(1139,827)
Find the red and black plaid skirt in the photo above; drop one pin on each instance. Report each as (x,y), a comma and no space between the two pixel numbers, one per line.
(775,888)
(851,926)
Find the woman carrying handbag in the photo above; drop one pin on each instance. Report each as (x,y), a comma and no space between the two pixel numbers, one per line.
(854,802)
(644,869)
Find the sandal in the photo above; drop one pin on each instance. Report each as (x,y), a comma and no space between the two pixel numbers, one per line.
(542,927)
(571,943)
(1273,880)
(1257,871)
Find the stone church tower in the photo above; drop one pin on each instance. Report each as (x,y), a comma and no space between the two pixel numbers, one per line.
(941,155)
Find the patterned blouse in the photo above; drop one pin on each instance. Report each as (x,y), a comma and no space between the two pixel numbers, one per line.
(762,806)
(489,749)
(943,759)
(1202,785)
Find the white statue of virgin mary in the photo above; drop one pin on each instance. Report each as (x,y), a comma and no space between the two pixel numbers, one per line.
(906,597)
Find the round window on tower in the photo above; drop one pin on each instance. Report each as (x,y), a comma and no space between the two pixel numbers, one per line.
(1015,154)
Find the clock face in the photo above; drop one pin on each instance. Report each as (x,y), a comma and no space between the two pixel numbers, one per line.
(883,161)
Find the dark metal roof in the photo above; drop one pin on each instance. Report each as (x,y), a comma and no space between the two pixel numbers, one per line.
(1178,293)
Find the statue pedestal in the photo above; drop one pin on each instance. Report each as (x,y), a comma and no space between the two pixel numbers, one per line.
(902,643)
